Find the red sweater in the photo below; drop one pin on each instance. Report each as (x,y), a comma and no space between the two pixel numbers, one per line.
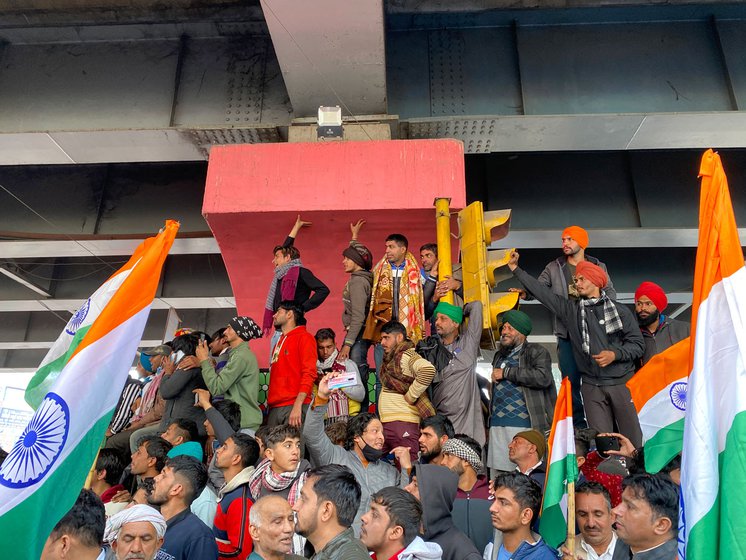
(612,482)
(292,369)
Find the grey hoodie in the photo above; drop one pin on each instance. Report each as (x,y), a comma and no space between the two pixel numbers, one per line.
(356,300)
(438,486)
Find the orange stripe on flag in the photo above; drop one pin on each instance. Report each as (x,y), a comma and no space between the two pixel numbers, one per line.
(662,370)
(138,290)
(719,251)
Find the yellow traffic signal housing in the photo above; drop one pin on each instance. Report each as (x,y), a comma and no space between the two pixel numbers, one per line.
(482,269)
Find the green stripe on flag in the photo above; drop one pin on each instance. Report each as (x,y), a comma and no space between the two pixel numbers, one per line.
(720,533)
(41,382)
(664,446)
(553,523)
(55,497)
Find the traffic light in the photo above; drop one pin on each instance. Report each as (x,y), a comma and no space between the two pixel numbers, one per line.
(482,269)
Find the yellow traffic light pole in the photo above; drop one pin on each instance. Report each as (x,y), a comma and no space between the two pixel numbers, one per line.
(443,230)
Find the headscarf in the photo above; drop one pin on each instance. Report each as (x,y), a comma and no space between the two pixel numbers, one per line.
(454,446)
(139,512)
(655,293)
(454,312)
(578,234)
(518,320)
(593,273)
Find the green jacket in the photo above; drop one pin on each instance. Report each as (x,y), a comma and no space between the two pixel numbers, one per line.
(239,382)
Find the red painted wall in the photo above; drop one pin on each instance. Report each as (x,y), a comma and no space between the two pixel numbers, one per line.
(254,193)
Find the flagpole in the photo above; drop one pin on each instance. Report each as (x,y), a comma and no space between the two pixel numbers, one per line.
(92,472)
(571,517)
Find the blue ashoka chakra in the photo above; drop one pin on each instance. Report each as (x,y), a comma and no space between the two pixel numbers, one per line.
(76,320)
(39,446)
(678,395)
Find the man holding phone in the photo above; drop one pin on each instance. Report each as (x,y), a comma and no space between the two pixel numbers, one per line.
(238,380)
(346,402)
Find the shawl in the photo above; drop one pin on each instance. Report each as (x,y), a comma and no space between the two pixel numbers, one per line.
(288,273)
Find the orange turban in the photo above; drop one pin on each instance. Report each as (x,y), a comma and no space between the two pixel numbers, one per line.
(578,234)
(593,273)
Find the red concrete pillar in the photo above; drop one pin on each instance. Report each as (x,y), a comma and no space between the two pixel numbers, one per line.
(254,193)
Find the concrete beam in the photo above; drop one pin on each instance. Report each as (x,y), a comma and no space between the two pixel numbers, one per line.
(331,52)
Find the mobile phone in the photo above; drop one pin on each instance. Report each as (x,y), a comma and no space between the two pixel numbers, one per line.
(606,443)
(202,337)
(196,399)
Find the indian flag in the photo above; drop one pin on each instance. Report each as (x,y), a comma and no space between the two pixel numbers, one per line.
(563,470)
(44,472)
(713,467)
(659,394)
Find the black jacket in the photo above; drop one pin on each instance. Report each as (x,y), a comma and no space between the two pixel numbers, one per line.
(668,333)
(438,486)
(627,344)
(307,284)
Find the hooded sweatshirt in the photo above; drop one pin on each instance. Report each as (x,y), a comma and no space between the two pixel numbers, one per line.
(421,550)
(356,300)
(231,526)
(438,486)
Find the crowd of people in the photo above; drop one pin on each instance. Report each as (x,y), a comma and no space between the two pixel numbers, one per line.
(195,467)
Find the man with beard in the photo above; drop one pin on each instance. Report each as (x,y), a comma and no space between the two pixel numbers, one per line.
(405,377)
(292,368)
(272,526)
(325,511)
(606,343)
(523,392)
(434,432)
(455,389)
(658,330)
(175,488)
(135,533)
(559,276)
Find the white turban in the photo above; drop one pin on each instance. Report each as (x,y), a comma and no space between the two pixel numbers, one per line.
(134,514)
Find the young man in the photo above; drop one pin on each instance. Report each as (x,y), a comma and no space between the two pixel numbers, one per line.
(291,282)
(362,452)
(78,535)
(659,331)
(347,401)
(325,511)
(149,459)
(526,451)
(648,517)
(434,432)
(391,526)
(236,458)
(219,349)
(184,436)
(455,389)
(292,368)
(238,379)
(357,261)
(558,276)
(523,391)
(396,296)
(462,455)
(136,532)
(405,377)
(108,472)
(181,481)
(272,526)
(282,466)
(435,487)
(516,506)
(606,342)
(597,539)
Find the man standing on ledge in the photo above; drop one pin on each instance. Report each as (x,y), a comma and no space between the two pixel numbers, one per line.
(558,276)
(606,342)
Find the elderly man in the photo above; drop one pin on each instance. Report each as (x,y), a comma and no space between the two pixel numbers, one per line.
(526,452)
(523,391)
(136,532)
(658,330)
(272,526)
(606,342)
(455,390)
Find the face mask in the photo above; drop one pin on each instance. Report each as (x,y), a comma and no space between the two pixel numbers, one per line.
(371,454)
(145,362)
